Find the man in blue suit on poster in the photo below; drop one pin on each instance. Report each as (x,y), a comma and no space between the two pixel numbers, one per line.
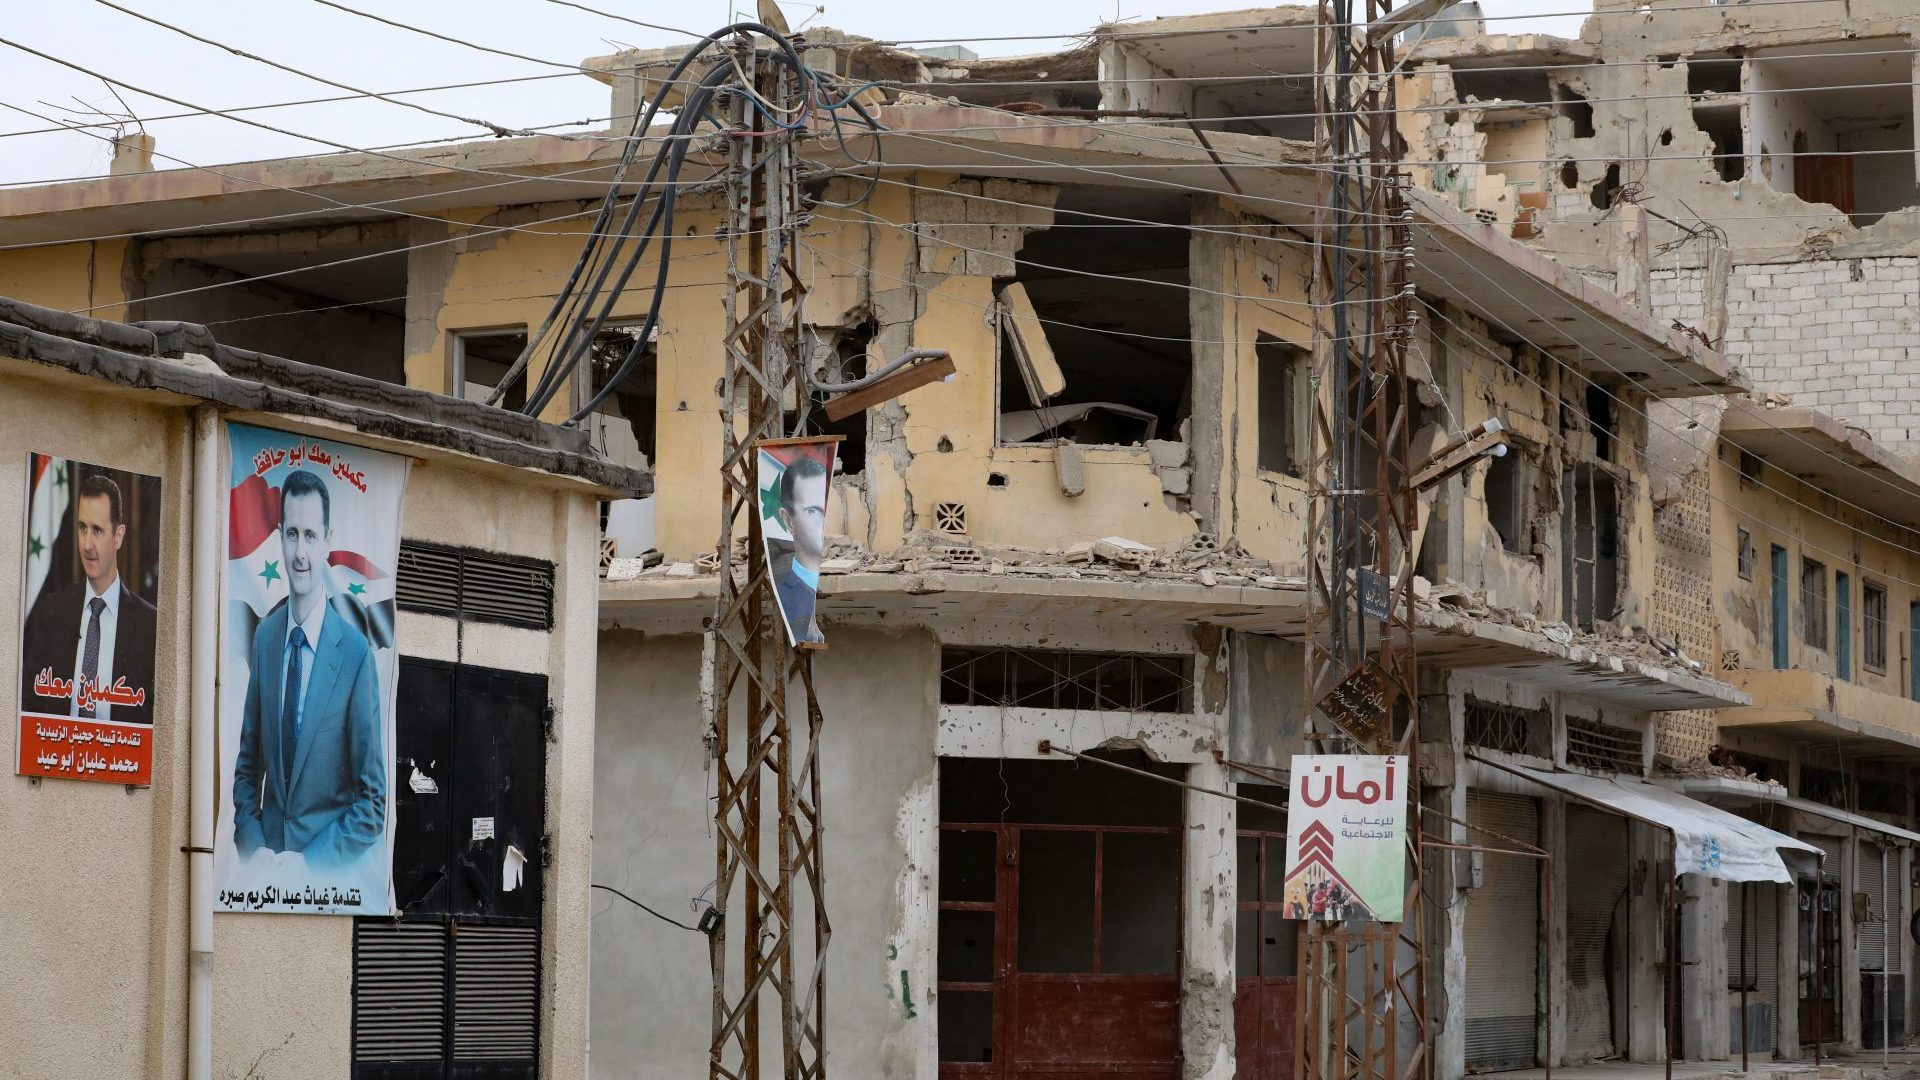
(311,775)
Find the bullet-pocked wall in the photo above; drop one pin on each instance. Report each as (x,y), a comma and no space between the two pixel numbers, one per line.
(653,839)
(97,901)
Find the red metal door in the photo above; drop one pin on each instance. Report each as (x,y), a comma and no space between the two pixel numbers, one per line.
(1084,979)
(1265,1007)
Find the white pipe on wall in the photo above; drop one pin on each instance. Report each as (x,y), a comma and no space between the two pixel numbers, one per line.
(204,638)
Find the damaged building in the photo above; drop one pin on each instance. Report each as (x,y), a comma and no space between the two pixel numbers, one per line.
(1093,535)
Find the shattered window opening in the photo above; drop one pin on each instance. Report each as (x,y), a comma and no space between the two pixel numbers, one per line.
(1836,144)
(1504,493)
(481,358)
(1590,564)
(1744,552)
(1285,409)
(1065,679)
(1603,747)
(1512,729)
(1105,355)
(624,426)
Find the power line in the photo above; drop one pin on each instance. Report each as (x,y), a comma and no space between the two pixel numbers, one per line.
(498,130)
(335,99)
(575,68)
(625,19)
(348,147)
(645,908)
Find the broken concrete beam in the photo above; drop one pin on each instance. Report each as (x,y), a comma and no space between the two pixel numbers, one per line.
(1121,551)
(1080,553)
(1167,454)
(1070,468)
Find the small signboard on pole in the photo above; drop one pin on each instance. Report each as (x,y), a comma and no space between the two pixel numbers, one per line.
(1346,838)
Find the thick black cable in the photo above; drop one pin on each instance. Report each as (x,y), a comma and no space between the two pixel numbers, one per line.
(645,908)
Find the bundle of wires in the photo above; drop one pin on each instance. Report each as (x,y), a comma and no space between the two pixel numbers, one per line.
(592,290)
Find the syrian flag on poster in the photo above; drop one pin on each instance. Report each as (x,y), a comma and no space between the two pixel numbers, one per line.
(358,590)
(46,507)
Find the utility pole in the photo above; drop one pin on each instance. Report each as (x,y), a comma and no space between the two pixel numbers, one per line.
(767,823)
(1362,988)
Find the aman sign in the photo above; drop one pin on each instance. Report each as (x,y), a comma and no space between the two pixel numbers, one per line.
(1346,838)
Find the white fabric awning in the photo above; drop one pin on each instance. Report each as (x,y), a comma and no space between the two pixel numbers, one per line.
(1707,840)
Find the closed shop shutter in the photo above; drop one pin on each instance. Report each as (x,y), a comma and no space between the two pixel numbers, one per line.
(1502,938)
(1598,873)
(399,991)
(1896,909)
(1759,969)
(1870,875)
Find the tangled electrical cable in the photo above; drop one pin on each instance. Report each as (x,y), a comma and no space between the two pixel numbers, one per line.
(573,324)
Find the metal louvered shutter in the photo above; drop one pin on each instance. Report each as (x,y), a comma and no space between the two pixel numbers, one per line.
(1759,968)
(1896,910)
(496,993)
(1598,871)
(1870,876)
(1502,938)
(429,580)
(399,991)
(461,584)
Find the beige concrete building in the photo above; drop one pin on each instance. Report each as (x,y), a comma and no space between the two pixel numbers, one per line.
(119,965)
(1093,534)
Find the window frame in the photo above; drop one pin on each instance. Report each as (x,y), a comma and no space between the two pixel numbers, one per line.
(1745,553)
(1815,596)
(1293,364)
(1873,629)
(457,354)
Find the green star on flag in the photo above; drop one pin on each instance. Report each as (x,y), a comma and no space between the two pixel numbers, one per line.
(357,588)
(770,502)
(271,573)
(34,547)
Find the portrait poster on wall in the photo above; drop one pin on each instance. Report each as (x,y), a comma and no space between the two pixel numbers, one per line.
(307,668)
(1346,838)
(795,479)
(89,621)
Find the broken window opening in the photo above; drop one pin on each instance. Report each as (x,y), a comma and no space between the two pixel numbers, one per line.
(1848,133)
(1590,555)
(1592,744)
(624,426)
(1744,552)
(1601,420)
(1604,191)
(1712,75)
(1096,333)
(1266,957)
(286,293)
(1286,409)
(1569,174)
(1813,603)
(480,359)
(1500,84)
(1504,493)
(1512,729)
(845,359)
(1575,107)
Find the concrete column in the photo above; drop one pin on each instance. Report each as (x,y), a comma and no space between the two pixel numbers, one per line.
(1849,946)
(1705,1024)
(1646,957)
(1787,1040)
(1553,837)
(1207,916)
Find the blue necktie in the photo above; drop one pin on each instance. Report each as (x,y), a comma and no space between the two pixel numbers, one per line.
(290,704)
(90,660)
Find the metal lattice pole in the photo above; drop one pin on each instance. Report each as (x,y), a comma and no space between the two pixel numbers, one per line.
(1361,985)
(749,669)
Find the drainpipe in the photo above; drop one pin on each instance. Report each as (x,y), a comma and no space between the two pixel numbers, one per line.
(205,620)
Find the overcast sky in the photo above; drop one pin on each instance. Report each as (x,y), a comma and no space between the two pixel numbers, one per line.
(347,48)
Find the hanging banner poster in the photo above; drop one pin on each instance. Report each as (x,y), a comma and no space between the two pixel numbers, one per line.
(1346,838)
(307,667)
(795,477)
(88,622)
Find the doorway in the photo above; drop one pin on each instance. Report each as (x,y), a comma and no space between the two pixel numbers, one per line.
(1266,958)
(1059,931)
(1819,959)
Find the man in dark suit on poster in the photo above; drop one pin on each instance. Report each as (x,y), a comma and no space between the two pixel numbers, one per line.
(95,635)
(311,776)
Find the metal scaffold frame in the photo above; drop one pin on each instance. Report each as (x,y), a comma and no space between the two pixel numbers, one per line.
(767,844)
(1361,985)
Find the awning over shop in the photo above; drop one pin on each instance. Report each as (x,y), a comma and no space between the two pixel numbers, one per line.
(1743,792)
(1707,840)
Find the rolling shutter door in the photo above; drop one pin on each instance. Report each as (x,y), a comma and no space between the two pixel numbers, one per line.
(1502,939)
(1870,937)
(1759,969)
(1896,910)
(1597,875)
